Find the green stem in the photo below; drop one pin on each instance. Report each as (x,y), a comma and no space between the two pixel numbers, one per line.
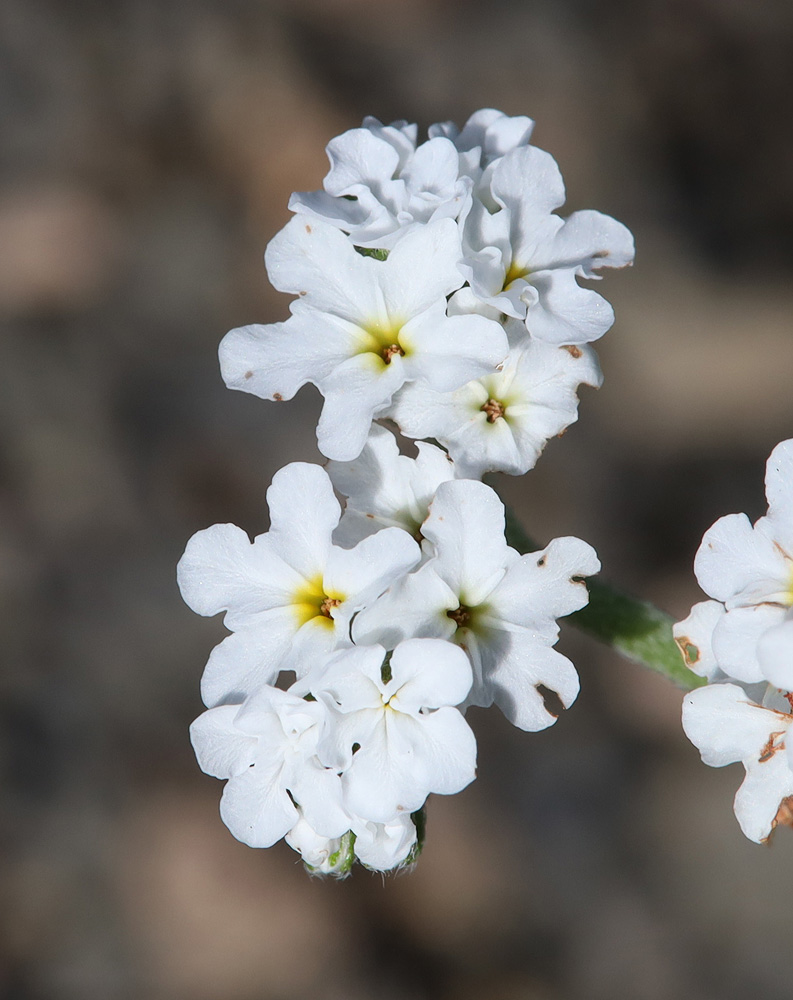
(637,629)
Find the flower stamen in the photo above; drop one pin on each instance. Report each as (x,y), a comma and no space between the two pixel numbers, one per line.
(327,606)
(390,351)
(461,616)
(494,409)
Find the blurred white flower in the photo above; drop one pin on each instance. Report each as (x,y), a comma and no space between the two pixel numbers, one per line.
(749,569)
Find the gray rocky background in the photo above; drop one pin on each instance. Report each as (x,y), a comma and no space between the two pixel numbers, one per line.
(148,151)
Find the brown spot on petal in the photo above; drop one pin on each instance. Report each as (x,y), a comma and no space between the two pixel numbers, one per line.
(784,816)
(302,293)
(248,375)
(574,351)
(278,397)
(551,700)
(769,749)
(541,561)
(308,229)
(690,652)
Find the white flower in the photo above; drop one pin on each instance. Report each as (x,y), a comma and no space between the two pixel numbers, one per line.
(499,606)
(380,183)
(379,846)
(694,636)
(726,726)
(396,735)
(384,846)
(361,328)
(501,422)
(523,260)
(289,595)
(486,136)
(749,569)
(386,489)
(266,748)
(322,855)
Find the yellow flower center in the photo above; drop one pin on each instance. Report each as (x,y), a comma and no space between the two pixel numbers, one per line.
(383,341)
(514,272)
(311,602)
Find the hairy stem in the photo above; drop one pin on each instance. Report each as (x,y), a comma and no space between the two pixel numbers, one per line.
(635,628)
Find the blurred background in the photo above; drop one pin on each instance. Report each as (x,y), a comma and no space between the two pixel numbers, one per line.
(148,151)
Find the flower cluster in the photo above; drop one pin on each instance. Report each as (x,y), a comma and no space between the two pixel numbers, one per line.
(434,286)
(741,641)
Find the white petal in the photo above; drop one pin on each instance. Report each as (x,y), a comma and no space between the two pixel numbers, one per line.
(274,361)
(221,749)
(375,563)
(694,636)
(354,393)
(450,351)
(256,808)
(319,263)
(222,570)
(734,556)
(416,605)
(566,313)
(775,654)
(587,241)
(466,526)
(758,799)
(514,665)
(428,673)
(779,491)
(303,515)
(735,639)
(317,791)
(421,270)
(528,177)
(546,585)
(249,658)
(383,846)
(726,726)
(445,752)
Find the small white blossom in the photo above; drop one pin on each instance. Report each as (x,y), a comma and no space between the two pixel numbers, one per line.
(727,726)
(501,422)
(749,569)
(266,748)
(499,606)
(396,735)
(385,489)
(290,594)
(486,137)
(524,260)
(361,328)
(384,846)
(380,183)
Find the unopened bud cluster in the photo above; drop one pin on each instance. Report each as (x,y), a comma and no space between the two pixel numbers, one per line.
(434,286)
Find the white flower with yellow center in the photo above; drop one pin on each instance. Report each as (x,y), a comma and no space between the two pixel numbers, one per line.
(749,570)
(501,422)
(360,328)
(290,594)
(523,260)
(500,607)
